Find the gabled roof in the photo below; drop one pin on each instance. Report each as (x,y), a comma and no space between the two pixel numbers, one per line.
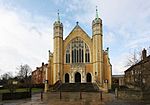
(77,27)
(78,32)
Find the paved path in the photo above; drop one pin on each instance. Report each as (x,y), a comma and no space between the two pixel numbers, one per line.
(73,98)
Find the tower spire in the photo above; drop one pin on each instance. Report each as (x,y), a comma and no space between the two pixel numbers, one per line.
(58,18)
(96,13)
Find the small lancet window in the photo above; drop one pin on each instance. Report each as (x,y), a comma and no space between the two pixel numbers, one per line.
(68,55)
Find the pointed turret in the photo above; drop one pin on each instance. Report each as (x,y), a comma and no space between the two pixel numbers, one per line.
(58,49)
(58,27)
(96,13)
(58,17)
(97,19)
(97,48)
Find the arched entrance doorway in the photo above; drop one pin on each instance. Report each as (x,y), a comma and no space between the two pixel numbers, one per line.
(66,78)
(88,77)
(77,77)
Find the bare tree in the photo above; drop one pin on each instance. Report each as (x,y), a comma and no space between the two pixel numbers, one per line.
(24,75)
(139,72)
(134,58)
(6,76)
(24,71)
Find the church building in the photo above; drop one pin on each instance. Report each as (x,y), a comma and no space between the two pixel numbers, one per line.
(79,57)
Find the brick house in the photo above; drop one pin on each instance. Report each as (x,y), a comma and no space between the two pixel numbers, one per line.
(38,75)
(138,75)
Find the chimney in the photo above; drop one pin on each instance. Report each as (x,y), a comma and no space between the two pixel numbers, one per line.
(144,53)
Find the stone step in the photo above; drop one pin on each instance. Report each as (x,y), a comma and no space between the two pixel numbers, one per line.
(77,87)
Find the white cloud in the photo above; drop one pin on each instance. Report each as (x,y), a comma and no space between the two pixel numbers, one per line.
(138,42)
(23,41)
(109,38)
(119,63)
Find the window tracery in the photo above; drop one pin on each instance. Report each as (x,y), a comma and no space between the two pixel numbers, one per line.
(77,51)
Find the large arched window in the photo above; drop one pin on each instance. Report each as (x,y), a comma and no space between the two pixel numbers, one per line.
(77,51)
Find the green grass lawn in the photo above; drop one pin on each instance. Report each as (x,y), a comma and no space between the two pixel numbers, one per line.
(34,90)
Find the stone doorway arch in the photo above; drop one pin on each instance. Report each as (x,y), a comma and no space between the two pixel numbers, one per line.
(77,77)
(66,78)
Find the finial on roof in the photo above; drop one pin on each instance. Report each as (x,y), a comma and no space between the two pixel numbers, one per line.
(77,22)
(96,13)
(58,16)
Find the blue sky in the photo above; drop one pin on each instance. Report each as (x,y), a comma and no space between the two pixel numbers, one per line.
(26,28)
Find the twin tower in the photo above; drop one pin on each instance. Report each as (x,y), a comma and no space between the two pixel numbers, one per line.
(78,57)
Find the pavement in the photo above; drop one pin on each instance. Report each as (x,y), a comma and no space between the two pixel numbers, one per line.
(74,98)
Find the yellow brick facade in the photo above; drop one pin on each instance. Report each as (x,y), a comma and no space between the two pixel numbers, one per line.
(79,57)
